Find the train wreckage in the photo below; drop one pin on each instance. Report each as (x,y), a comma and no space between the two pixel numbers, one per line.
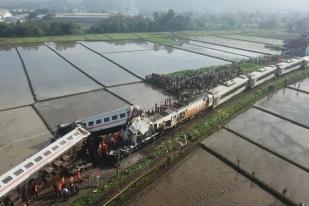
(129,127)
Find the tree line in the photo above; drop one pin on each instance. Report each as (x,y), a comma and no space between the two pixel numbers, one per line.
(35,28)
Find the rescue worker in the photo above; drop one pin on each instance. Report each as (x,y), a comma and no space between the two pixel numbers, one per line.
(36,188)
(79,177)
(72,185)
(104,148)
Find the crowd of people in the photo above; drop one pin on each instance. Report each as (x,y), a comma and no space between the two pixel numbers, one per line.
(194,82)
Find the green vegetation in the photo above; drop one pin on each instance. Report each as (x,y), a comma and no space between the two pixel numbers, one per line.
(250,67)
(202,129)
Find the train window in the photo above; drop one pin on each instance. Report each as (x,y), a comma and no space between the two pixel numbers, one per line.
(55,147)
(30,164)
(70,138)
(233,90)
(18,172)
(76,134)
(47,153)
(106,119)
(114,117)
(84,124)
(99,121)
(265,76)
(39,158)
(90,123)
(123,115)
(7,180)
(63,142)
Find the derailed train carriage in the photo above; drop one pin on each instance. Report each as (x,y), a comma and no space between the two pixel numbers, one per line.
(143,129)
(140,129)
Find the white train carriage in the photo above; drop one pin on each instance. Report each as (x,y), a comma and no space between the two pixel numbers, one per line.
(289,66)
(261,75)
(224,92)
(106,120)
(306,61)
(25,170)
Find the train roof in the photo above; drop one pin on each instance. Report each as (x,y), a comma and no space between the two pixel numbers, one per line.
(120,110)
(19,174)
(262,71)
(289,62)
(229,85)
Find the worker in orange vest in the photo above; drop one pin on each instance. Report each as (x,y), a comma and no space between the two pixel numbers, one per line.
(79,177)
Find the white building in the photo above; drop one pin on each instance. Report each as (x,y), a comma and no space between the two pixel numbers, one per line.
(4,13)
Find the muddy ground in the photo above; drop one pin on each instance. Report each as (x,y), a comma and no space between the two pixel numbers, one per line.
(202,179)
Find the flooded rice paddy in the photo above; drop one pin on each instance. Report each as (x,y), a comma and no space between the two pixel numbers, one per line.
(225,49)
(254,39)
(301,85)
(213,53)
(69,109)
(202,179)
(22,134)
(96,66)
(120,46)
(162,61)
(237,44)
(272,170)
(289,104)
(281,136)
(51,76)
(141,94)
(14,88)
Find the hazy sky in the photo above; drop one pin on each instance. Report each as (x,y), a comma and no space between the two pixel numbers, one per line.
(190,5)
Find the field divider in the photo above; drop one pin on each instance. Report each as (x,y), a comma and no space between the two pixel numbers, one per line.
(279,116)
(18,107)
(267,149)
(251,177)
(259,52)
(298,90)
(52,131)
(245,40)
(76,67)
(220,50)
(187,50)
(120,66)
(27,75)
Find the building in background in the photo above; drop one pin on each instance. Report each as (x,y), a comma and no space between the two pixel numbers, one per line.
(4,13)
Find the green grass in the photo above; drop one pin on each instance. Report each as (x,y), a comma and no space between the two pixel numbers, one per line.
(199,131)
(250,67)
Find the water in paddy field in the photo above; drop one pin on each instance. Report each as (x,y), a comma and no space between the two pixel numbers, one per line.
(202,179)
(69,109)
(94,65)
(237,44)
(52,76)
(226,49)
(289,104)
(255,39)
(141,94)
(302,85)
(214,53)
(14,88)
(162,61)
(22,134)
(272,170)
(119,46)
(281,136)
